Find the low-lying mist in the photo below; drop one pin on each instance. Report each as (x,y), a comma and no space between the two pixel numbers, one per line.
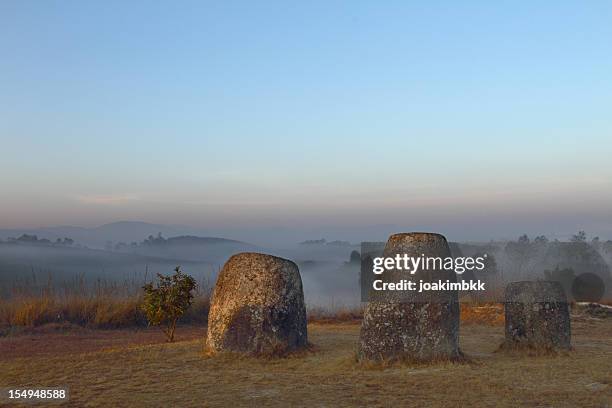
(330,270)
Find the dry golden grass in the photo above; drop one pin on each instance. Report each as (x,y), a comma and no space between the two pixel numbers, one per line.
(105,304)
(180,374)
(338,315)
(102,312)
(88,311)
(119,307)
(488,314)
(471,313)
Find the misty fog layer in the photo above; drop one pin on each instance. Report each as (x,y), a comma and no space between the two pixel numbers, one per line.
(329,270)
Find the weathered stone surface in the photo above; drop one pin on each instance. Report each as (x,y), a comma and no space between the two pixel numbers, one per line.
(537,316)
(257,307)
(414,327)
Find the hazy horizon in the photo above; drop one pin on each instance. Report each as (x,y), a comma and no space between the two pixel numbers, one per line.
(274,237)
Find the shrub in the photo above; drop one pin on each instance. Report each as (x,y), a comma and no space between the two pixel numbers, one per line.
(166,301)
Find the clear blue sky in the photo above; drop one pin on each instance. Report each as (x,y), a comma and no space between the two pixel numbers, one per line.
(474,118)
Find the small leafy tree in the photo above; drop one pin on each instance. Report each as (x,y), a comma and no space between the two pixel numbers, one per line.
(168,300)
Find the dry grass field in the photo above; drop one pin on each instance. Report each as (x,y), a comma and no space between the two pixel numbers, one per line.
(136,368)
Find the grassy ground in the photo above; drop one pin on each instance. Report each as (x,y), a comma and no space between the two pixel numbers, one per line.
(147,372)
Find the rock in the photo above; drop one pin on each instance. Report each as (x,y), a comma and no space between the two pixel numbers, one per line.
(413,327)
(596,386)
(594,309)
(257,307)
(537,316)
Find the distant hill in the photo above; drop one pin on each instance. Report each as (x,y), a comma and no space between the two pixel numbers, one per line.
(193,240)
(97,237)
(136,247)
(323,241)
(198,249)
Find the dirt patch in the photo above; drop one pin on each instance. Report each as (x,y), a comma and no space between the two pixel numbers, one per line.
(61,339)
